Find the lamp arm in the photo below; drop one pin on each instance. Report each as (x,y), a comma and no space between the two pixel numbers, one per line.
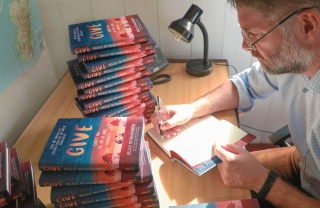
(205,41)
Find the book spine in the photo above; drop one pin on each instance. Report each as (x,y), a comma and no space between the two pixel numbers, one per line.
(31,199)
(144,83)
(99,80)
(5,170)
(95,55)
(18,188)
(108,33)
(130,64)
(103,64)
(68,193)
(143,107)
(118,81)
(109,98)
(106,196)
(114,111)
(102,144)
(104,203)
(71,178)
(141,97)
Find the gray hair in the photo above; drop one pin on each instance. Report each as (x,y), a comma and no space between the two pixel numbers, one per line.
(274,9)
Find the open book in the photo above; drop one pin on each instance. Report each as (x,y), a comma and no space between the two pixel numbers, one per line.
(193,146)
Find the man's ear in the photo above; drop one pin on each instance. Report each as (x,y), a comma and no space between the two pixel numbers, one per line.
(309,25)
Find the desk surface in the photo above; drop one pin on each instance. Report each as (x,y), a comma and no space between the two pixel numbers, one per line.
(175,183)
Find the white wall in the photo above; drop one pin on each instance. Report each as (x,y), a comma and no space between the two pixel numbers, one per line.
(220,21)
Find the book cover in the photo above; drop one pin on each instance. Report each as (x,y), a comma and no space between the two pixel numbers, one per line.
(103,64)
(107,33)
(109,52)
(75,70)
(197,154)
(19,188)
(141,97)
(243,203)
(99,143)
(143,83)
(30,200)
(118,81)
(5,173)
(140,62)
(99,101)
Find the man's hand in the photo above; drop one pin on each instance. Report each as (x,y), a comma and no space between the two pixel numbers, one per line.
(239,168)
(172,117)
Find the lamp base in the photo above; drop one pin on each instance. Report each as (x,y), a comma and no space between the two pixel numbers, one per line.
(198,68)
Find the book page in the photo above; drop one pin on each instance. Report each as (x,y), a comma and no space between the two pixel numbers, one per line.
(195,143)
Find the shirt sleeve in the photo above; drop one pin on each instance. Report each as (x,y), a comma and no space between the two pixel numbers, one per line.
(253,83)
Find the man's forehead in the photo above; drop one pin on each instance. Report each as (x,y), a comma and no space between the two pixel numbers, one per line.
(249,18)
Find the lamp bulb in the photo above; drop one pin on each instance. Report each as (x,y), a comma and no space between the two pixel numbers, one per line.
(177,36)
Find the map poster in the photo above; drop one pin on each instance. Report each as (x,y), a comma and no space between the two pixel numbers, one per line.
(20,38)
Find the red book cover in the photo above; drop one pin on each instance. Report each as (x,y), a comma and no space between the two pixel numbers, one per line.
(99,143)
(141,97)
(103,64)
(19,188)
(106,33)
(143,83)
(140,62)
(30,200)
(109,52)
(5,172)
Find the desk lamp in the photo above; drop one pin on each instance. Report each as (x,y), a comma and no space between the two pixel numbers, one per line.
(183,29)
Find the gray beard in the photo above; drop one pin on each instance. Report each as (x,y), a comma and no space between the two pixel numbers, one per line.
(291,57)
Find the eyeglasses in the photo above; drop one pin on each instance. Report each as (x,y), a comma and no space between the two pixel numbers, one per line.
(251,39)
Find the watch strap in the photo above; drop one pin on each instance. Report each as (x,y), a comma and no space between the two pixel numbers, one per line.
(273,174)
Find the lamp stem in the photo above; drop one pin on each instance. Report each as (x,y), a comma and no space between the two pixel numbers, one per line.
(205,41)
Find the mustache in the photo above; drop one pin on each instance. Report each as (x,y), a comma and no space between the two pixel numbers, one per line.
(256,54)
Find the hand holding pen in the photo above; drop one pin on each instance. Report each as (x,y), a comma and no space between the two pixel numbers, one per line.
(159,104)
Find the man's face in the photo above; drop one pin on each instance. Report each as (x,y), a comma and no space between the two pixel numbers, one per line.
(277,52)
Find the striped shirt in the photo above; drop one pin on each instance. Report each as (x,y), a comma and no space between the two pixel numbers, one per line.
(300,97)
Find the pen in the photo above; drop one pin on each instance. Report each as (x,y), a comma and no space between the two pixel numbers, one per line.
(159,104)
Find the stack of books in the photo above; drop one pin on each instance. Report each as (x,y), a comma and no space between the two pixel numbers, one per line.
(115,58)
(17,184)
(98,162)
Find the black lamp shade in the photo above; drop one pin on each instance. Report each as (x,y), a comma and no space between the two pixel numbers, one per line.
(183,29)
(184,26)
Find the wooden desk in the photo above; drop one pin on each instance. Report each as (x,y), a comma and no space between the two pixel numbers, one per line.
(175,183)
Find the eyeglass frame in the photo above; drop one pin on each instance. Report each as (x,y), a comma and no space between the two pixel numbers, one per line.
(245,36)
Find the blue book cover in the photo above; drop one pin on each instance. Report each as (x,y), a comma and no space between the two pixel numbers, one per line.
(99,143)
(106,33)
